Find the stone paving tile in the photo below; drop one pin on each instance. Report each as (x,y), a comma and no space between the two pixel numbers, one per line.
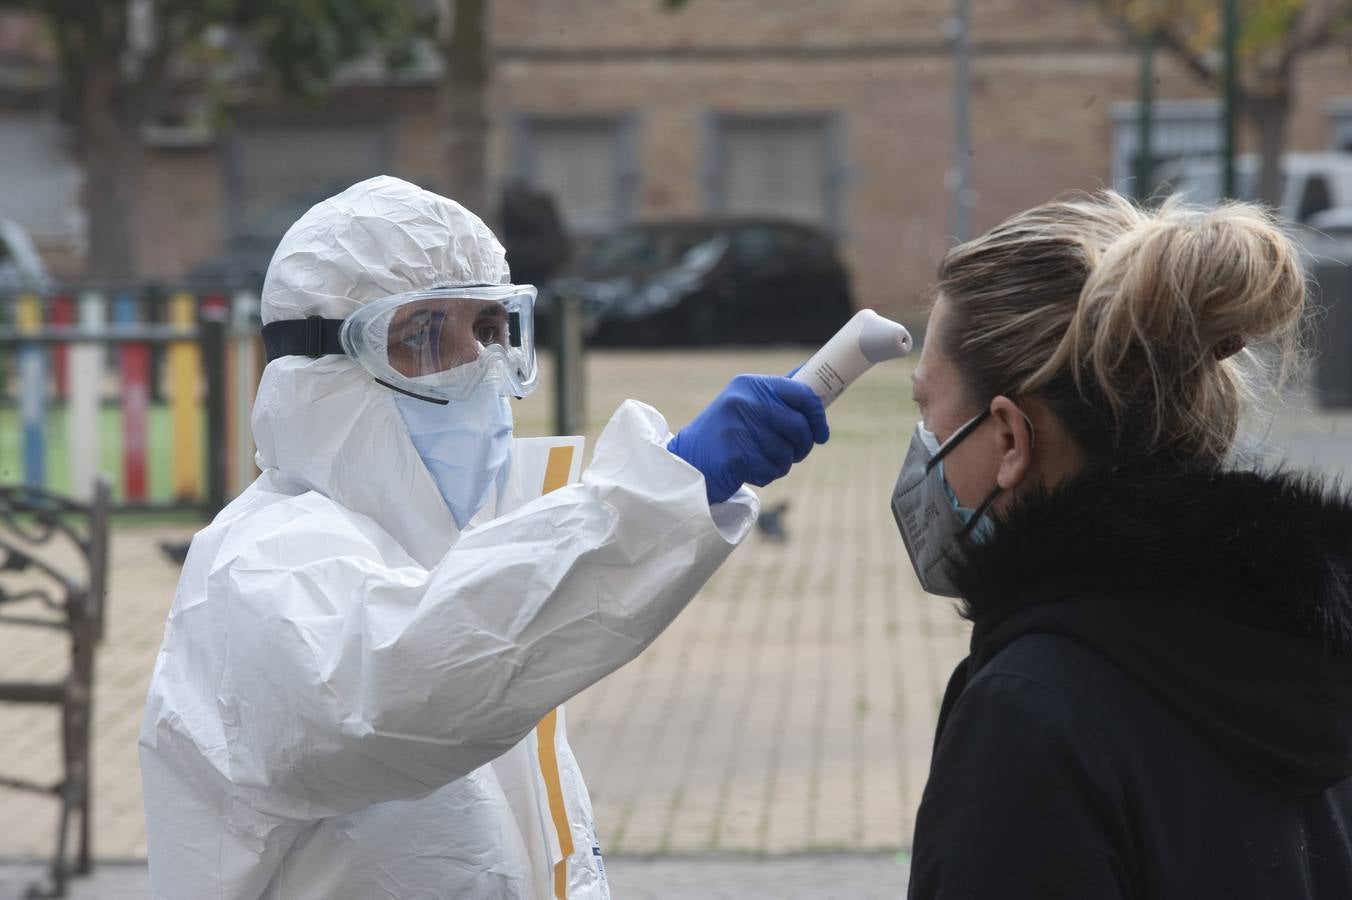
(836,877)
(780,689)
(789,709)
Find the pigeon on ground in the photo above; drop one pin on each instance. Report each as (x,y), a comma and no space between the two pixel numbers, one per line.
(175,551)
(771,523)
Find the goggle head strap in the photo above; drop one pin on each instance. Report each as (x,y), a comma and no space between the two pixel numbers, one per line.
(313,336)
(316,336)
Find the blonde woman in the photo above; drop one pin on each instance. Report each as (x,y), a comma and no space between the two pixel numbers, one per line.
(1158,699)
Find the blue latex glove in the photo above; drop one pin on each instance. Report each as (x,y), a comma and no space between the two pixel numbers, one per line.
(752,433)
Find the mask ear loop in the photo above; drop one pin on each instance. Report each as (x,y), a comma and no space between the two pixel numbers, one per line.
(979,512)
(997,490)
(956,438)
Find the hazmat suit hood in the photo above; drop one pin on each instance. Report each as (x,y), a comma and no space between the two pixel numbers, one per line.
(325,424)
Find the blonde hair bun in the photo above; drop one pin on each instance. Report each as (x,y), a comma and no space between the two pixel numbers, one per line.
(1136,320)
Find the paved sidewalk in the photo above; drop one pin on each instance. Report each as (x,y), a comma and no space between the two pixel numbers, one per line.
(839,877)
(789,710)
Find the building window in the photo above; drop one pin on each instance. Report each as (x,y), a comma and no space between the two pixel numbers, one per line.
(587,165)
(42,180)
(1179,129)
(276,170)
(1340,126)
(785,166)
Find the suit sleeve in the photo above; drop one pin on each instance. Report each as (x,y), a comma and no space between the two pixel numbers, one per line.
(355,676)
(1022,802)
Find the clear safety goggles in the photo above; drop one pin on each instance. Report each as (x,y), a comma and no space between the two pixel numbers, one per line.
(443,343)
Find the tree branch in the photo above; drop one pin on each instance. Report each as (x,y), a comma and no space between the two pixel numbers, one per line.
(1190,60)
(1166,38)
(1316,26)
(70,50)
(152,85)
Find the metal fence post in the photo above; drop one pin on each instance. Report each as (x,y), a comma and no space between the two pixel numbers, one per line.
(213,356)
(960,173)
(1333,298)
(569,383)
(1230,96)
(245,357)
(1145,114)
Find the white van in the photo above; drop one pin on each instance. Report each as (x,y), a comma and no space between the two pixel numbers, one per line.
(1316,188)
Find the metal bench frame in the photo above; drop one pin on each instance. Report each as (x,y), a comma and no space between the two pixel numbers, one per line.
(30,520)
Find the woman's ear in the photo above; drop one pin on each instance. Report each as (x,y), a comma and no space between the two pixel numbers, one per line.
(1014,439)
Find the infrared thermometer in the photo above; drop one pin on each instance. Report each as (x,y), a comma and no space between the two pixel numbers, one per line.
(865,340)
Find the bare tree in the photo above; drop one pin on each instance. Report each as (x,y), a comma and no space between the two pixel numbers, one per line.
(1274,36)
(118,59)
(463,101)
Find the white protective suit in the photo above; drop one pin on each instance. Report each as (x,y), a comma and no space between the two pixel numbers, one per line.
(346,700)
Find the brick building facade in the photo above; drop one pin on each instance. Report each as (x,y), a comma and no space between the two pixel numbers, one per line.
(840,113)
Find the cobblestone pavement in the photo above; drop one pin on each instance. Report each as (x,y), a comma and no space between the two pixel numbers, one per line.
(836,877)
(789,710)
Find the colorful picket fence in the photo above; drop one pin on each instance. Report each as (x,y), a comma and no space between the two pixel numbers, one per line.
(150,392)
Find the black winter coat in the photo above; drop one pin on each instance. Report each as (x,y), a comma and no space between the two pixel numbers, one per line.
(1158,700)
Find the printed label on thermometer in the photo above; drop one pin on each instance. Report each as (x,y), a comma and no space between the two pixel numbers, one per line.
(826,381)
(867,338)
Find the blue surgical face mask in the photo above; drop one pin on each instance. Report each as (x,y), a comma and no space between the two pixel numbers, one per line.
(465,444)
(975,533)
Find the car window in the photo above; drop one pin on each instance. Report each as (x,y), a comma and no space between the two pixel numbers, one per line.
(1314,199)
(642,248)
(756,245)
(623,249)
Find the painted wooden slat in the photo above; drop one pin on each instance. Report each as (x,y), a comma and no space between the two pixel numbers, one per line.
(135,363)
(85,384)
(185,401)
(33,394)
(62,312)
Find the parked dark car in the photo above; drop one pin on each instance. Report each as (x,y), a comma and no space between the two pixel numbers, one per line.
(707,282)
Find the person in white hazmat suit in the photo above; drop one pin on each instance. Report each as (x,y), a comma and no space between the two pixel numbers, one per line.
(356,694)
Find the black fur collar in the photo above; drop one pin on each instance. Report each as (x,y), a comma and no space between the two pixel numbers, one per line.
(1271,550)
